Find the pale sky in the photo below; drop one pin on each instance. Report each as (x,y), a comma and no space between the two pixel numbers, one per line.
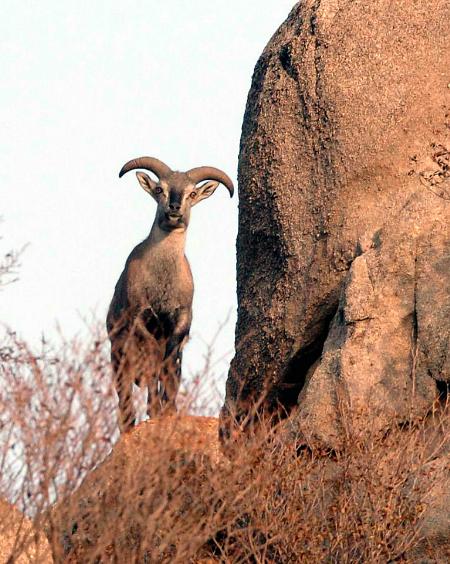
(86,86)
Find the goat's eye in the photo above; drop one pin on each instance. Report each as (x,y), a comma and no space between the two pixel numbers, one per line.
(158,190)
(193,195)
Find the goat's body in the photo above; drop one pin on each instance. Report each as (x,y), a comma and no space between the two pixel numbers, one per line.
(157,274)
(151,311)
(149,320)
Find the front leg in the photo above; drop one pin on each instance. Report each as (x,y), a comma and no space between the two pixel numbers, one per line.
(170,378)
(170,375)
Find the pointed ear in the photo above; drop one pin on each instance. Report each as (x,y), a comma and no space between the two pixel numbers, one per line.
(146,182)
(205,191)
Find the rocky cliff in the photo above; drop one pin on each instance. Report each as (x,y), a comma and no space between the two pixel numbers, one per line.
(344,239)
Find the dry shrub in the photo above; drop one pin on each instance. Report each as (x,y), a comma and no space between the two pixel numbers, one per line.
(53,423)
(9,265)
(363,504)
(164,493)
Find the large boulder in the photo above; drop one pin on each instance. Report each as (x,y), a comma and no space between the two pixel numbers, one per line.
(147,501)
(343,246)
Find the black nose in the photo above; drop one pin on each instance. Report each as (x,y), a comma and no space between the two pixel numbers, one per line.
(174,207)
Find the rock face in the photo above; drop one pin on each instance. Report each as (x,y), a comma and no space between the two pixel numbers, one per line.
(387,345)
(344,239)
(133,506)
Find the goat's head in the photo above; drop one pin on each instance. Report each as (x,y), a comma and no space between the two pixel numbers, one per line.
(176,192)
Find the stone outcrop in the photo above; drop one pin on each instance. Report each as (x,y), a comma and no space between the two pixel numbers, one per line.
(386,352)
(19,541)
(344,222)
(129,507)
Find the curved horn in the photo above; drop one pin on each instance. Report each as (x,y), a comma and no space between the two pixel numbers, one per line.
(211,173)
(148,163)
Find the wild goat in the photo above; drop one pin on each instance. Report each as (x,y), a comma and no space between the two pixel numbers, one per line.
(150,314)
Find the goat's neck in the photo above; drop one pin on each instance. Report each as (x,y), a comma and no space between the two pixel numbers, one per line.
(168,242)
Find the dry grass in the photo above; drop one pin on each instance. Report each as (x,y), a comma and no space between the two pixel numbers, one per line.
(158,498)
(164,494)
